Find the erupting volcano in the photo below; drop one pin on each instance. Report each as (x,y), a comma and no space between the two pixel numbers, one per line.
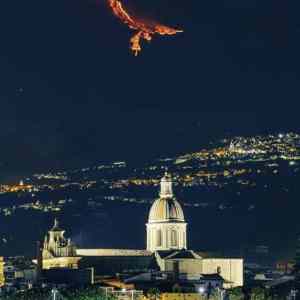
(145,30)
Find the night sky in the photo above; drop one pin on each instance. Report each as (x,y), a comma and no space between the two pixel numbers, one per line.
(72,93)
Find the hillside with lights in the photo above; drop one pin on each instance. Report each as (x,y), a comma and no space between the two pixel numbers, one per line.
(238,182)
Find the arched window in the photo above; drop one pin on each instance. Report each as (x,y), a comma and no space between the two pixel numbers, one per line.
(158,237)
(174,238)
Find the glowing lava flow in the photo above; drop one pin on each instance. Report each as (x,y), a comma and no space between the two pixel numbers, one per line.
(145,31)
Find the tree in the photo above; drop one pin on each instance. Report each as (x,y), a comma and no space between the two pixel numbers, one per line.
(236,294)
(176,288)
(153,294)
(85,294)
(257,294)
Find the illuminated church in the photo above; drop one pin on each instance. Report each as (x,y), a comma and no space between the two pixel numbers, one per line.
(166,247)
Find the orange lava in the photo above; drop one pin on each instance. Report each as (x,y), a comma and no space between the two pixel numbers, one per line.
(145,31)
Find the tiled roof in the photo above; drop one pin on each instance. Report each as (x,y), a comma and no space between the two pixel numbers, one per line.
(179,254)
(215,276)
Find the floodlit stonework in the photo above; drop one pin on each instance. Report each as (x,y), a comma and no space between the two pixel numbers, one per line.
(56,245)
(112,252)
(61,262)
(166,227)
(231,269)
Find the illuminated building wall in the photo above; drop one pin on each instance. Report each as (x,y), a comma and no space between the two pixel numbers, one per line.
(2,277)
(232,270)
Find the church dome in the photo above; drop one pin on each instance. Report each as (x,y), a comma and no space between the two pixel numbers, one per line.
(166,208)
(166,228)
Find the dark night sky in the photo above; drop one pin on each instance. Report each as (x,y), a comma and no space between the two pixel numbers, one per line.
(71,92)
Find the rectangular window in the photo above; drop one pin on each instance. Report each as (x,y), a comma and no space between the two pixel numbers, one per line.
(158,237)
(174,238)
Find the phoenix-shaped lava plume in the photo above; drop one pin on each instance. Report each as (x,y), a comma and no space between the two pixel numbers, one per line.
(145,30)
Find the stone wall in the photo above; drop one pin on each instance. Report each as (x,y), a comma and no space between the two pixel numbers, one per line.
(112,252)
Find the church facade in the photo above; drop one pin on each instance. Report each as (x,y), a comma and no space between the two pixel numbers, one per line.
(166,232)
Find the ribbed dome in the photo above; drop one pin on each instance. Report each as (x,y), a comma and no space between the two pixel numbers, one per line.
(166,228)
(166,210)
